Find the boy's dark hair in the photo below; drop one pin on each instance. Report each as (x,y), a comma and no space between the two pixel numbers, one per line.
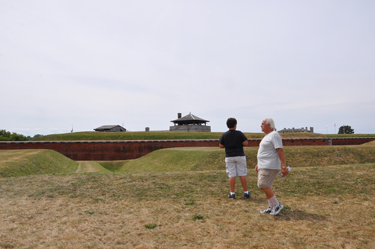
(231,122)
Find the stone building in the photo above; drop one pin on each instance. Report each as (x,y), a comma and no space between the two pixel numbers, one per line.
(110,128)
(190,123)
(292,130)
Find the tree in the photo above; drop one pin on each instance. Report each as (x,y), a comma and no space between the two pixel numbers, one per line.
(346,129)
(7,136)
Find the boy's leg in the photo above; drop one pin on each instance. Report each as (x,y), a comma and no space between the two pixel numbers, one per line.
(242,171)
(231,171)
(232,184)
(244,183)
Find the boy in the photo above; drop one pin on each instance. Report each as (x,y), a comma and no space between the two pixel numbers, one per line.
(235,159)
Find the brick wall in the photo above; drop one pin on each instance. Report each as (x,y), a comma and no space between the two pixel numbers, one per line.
(123,150)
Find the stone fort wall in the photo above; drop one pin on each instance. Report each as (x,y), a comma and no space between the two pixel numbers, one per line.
(129,149)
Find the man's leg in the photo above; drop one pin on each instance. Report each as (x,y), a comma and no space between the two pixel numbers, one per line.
(271,198)
(268,192)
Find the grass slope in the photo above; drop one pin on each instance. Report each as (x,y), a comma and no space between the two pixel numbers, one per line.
(369,143)
(209,158)
(188,210)
(30,162)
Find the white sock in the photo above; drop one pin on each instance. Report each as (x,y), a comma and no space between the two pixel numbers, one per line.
(246,192)
(273,200)
(232,193)
(269,203)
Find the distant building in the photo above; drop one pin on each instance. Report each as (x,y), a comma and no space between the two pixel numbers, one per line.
(190,123)
(292,130)
(110,128)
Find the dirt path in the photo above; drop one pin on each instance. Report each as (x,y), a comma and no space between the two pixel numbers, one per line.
(90,166)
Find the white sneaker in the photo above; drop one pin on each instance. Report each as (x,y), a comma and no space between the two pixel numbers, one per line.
(266,211)
(276,209)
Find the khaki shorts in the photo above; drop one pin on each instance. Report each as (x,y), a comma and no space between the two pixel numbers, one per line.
(236,166)
(266,177)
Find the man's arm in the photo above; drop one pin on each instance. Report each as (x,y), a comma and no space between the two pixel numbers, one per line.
(282,160)
(245,143)
(221,146)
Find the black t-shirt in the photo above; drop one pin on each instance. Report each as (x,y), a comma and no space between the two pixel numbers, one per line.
(232,140)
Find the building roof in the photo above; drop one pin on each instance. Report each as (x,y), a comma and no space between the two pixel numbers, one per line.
(107,127)
(190,118)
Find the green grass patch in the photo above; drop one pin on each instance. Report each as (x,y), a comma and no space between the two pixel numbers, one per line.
(348,135)
(150,226)
(113,166)
(198,217)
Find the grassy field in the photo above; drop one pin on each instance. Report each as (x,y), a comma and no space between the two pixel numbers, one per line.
(176,198)
(159,136)
(188,210)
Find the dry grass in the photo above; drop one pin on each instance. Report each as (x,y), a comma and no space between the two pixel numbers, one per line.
(326,207)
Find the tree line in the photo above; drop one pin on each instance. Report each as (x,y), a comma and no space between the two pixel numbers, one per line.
(8,136)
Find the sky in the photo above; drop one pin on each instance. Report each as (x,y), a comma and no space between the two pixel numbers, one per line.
(86,63)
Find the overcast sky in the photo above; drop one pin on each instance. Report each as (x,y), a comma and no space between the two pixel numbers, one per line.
(87,63)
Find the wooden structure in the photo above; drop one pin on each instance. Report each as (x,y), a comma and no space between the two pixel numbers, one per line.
(190,123)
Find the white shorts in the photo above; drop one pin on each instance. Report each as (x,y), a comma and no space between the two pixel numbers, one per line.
(236,166)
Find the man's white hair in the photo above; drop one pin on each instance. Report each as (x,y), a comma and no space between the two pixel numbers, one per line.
(271,123)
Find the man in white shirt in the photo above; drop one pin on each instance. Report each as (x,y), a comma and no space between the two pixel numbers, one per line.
(271,159)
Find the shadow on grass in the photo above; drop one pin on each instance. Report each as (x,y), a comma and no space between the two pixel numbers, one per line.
(299,215)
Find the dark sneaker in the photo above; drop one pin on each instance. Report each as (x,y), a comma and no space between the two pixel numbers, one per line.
(276,209)
(233,196)
(266,211)
(246,196)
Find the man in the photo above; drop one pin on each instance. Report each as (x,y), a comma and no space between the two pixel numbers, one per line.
(270,159)
(235,159)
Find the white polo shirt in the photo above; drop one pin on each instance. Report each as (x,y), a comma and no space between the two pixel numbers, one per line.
(268,157)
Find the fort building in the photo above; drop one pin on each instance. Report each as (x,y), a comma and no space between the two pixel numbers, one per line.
(190,123)
(292,130)
(110,128)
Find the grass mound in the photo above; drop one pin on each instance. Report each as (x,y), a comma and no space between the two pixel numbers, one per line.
(31,162)
(209,158)
(177,160)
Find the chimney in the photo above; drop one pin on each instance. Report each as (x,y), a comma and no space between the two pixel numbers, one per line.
(179,115)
